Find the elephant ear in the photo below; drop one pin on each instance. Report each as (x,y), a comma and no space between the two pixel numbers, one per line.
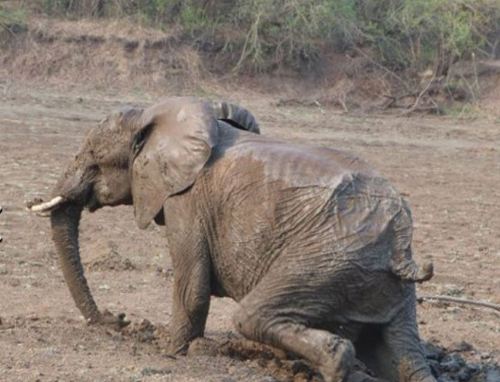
(236,116)
(170,149)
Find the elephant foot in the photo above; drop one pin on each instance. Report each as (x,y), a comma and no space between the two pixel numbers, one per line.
(177,347)
(340,356)
(108,319)
(359,376)
(203,347)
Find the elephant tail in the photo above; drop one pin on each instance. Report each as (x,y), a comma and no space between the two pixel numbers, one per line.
(236,116)
(401,263)
(408,270)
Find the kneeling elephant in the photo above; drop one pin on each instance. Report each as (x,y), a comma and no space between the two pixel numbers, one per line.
(313,244)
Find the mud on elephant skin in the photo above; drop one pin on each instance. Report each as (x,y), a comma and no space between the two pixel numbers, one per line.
(313,244)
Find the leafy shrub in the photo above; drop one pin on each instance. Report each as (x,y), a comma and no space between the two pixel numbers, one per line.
(11,20)
(418,33)
(400,34)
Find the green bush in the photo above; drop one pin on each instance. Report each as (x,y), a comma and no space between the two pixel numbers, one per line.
(263,34)
(11,20)
(419,33)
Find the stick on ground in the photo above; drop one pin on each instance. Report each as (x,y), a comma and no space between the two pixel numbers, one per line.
(458,300)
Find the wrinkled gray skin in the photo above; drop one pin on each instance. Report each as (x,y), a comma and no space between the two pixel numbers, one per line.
(313,244)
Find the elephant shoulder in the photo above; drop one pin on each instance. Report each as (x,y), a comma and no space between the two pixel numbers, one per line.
(244,154)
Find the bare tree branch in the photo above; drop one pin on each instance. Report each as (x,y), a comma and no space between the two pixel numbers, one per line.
(420,95)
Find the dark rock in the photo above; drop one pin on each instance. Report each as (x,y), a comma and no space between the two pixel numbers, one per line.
(492,374)
(474,368)
(130,46)
(433,352)
(464,374)
(462,346)
(452,363)
(269,379)
(445,378)
(435,367)
(299,367)
(148,371)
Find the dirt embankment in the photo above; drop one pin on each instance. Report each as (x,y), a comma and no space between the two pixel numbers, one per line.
(97,54)
(104,54)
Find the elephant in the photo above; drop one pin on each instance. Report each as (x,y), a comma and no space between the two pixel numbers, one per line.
(311,242)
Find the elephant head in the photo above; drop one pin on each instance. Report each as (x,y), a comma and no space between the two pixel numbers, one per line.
(135,156)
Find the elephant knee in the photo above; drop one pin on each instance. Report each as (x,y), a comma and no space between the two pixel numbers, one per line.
(249,325)
(241,322)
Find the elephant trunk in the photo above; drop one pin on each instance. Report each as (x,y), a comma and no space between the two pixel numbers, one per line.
(65,221)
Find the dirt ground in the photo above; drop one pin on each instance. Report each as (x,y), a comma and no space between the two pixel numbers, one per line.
(449,168)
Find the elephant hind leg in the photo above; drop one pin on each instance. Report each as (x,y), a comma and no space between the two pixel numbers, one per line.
(331,354)
(393,351)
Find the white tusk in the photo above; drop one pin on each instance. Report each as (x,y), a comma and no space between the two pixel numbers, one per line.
(47,205)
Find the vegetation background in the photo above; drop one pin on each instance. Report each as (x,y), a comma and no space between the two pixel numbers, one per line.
(412,43)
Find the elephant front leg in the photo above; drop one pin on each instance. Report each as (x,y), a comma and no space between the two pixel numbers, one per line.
(191,300)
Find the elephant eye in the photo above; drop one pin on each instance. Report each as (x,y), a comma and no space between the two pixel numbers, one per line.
(138,143)
(140,139)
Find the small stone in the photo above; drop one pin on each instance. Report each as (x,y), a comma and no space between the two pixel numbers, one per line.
(462,346)
(275,363)
(262,362)
(485,355)
(445,378)
(474,368)
(299,367)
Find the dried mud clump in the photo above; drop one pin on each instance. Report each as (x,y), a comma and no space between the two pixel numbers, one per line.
(146,333)
(447,365)
(105,257)
(450,365)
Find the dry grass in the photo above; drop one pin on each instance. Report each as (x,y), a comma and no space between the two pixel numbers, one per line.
(101,53)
